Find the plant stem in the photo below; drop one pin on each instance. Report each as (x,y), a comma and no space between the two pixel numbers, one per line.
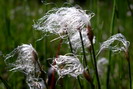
(112,19)
(110,53)
(95,65)
(42,73)
(59,47)
(84,54)
(129,68)
(92,62)
(85,59)
(108,71)
(5,83)
(81,87)
(52,83)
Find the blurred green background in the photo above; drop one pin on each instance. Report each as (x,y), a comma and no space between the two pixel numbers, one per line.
(18,16)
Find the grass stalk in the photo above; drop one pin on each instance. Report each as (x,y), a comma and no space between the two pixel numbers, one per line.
(91,57)
(130,77)
(85,60)
(51,80)
(81,87)
(129,68)
(110,52)
(84,54)
(59,47)
(70,44)
(5,83)
(42,74)
(90,37)
(108,71)
(95,65)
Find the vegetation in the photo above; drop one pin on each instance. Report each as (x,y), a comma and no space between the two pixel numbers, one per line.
(17,18)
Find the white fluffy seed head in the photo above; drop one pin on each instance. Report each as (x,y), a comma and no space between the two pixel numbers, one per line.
(25,61)
(62,20)
(122,46)
(76,40)
(68,65)
(35,83)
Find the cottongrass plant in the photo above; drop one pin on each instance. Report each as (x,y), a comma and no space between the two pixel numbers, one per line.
(26,59)
(67,23)
(118,47)
(63,20)
(71,22)
(27,62)
(121,46)
(68,65)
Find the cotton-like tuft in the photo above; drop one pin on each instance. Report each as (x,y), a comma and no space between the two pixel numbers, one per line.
(68,65)
(122,43)
(63,20)
(35,83)
(76,40)
(25,61)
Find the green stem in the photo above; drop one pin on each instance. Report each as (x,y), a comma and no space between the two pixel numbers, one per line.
(5,83)
(129,69)
(91,57)
(84,54)
(70,44)
(95,65)
(81,87)
(110,53)
(85,59)
(112,19)
(108,71)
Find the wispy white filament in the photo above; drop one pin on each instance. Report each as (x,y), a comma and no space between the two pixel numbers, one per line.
(62,20)
(68,65)
(123,46)
(25,61)
(35,83)
(76,40)
(66,21)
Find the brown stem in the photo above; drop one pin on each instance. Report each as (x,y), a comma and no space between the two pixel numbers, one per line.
(51,74)
(59,47)
(89,79)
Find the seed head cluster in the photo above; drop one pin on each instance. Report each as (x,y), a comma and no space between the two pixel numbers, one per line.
(68,65)
(26,62)
(122,46)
